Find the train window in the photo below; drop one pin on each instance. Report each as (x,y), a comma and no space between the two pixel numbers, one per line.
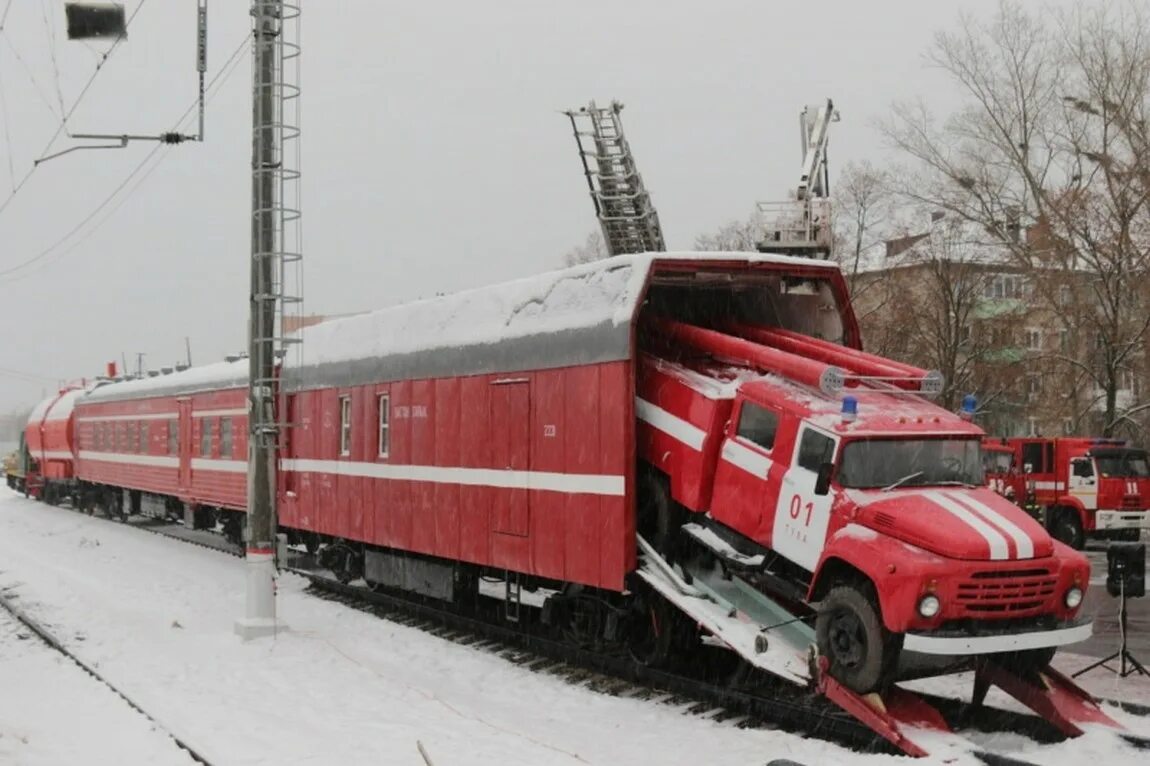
(225,437)
(173,437)
(206,437)
(345,425)
(758,425)
(384,419)
(121,437)
(144,438)
(96,434)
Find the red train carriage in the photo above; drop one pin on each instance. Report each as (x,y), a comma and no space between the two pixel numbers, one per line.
(49,438)
(497,426)
(172,444)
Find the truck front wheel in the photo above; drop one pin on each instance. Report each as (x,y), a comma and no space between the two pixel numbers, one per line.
(850,634)
(1066,527)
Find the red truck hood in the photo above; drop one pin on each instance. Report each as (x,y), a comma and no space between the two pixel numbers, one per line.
(974,524)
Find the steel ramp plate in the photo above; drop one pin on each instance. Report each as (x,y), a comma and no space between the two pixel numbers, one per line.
(1052,696)
(735,629)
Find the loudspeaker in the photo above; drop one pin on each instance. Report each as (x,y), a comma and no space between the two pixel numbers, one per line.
(88,21)
(1126,567)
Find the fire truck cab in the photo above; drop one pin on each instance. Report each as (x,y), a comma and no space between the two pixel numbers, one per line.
(1079,487)
(823,476)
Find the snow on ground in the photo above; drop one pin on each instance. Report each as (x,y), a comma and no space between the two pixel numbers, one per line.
(156,616)
(52,712)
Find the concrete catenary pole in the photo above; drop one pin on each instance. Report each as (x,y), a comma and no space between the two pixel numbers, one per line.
(260,612)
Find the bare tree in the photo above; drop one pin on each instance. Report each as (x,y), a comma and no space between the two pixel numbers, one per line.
(592,249)
(863,215)
(1052,141)
(734,236)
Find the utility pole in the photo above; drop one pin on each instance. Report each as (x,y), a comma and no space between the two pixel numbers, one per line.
(265,300)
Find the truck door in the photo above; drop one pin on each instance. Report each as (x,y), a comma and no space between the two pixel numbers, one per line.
(511,451)
(801,516)
(184,444)
(1082,482)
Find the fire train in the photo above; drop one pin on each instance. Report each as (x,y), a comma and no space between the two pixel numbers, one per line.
(713,408)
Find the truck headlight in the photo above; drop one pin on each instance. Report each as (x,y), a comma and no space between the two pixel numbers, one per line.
(929,605)
(1073,597)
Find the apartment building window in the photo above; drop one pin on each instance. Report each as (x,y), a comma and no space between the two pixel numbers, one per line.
(1065,297)
(1067,426)
(345,425)
(1064,341)
(1004,286)
(1033,339)
(1032,426)
(1033,387)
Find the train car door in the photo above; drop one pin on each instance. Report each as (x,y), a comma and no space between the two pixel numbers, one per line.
(511,452)
(185,444)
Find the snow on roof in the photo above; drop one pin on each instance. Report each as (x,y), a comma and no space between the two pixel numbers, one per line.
(578,315)
(203,378)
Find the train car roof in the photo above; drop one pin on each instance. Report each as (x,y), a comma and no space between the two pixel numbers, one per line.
(207,377)
(574,316)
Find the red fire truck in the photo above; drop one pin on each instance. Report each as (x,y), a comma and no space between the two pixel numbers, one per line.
(1079,487)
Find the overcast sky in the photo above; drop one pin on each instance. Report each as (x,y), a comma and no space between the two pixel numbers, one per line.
(435,156)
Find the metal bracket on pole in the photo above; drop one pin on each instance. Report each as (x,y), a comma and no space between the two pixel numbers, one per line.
(170,137)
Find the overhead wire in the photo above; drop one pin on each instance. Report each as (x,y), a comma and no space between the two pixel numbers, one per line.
(65,115)
(221,77)
(4,17)
(7,132)
(51,35)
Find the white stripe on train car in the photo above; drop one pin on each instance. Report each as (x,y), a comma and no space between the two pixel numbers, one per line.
(219,413)
(152,461)
(569,483)
(1022,542)
(221,464)
(672,425)
(994,539)
(747,459)
(115,418)
(56,454)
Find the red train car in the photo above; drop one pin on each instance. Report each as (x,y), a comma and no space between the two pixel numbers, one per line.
(49,436)
(171,444)
(497,426)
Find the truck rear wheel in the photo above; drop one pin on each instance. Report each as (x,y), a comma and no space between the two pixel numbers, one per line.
(850,634)
(1066,527)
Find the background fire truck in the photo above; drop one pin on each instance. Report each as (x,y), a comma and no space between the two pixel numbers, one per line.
(1078,487)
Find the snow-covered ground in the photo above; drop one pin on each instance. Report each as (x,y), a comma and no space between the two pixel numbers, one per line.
(52,712)
(156,617)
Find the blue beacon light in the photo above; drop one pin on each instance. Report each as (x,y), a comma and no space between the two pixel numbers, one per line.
(969,405)
(850,409)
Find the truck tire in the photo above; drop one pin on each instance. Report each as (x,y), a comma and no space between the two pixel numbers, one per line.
(850,634)
(1066,527)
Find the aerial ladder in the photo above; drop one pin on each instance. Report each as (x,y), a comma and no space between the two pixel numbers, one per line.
(622,203)
(802,226)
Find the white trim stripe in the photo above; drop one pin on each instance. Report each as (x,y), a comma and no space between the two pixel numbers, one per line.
(219,413)
(570,483)
(1022,542)
(996,542)
(219,464)
(747,459)
(115,418)
(152,461)
(1055,485)
(672,425)
(56,454)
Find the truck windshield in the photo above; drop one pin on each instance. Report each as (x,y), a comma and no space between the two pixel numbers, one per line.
(1122,463)
(873,463)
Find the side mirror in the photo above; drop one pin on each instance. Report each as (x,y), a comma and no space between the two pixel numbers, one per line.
(823,482)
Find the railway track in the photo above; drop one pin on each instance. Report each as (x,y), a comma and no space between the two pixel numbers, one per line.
(530,646)
(53,643)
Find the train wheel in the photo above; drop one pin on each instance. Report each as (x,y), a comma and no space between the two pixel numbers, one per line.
(658,632)
(850,634)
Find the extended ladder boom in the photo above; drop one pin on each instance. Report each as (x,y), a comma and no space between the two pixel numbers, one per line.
(622,204)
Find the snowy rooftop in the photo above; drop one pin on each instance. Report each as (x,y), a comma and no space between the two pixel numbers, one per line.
(578,315)
(203,378)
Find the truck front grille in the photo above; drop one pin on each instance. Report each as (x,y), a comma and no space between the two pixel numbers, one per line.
(1005,592)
